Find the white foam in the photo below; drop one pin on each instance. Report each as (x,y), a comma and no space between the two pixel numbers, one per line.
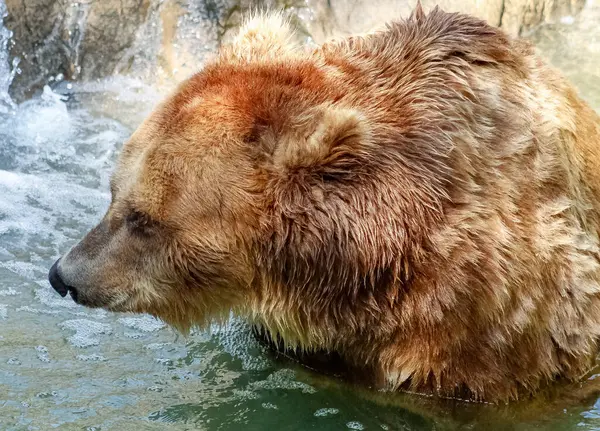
(9,292)
(93,357)
(326,412)
(144,323)
(155,389)
(133,335)
(42,353)
(24,269)
(9,179)
(283,379)
(45,119)
(86,331)
(45,311)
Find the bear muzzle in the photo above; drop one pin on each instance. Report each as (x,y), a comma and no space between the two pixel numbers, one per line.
(59,285)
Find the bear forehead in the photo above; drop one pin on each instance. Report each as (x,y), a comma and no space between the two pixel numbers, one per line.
(204,131)
(230,96)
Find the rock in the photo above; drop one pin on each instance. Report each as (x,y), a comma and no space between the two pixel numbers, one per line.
(76,39)
(521,16)
(339,17)
(104,30)
(169,39)
(343,17)
(33,23)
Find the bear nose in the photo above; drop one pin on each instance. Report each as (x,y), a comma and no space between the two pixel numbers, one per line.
(58,284)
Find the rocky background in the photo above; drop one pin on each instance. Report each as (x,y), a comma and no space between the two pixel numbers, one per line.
(168,39)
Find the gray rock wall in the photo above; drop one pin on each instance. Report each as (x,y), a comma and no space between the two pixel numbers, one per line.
(168,39)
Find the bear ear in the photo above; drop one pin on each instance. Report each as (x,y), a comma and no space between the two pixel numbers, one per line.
(326,139)
(263,35)
(418,13)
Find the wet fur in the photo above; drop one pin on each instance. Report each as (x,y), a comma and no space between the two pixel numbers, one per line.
(421,201)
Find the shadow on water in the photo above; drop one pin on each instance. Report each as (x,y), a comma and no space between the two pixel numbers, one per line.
(288,396)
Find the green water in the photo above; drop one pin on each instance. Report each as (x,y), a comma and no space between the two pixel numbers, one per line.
(68,368)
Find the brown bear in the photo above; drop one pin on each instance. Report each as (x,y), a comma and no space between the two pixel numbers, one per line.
(422,201)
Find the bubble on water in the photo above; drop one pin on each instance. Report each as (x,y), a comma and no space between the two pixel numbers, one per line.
(245,394)
(46,394)
(155,389)
(86,331)
(326,412)
(283,379)
(13,361)
(236,338)
(133,335)
(144,323)
(353,425)
(9,292)
(269,406)
(99,313)
(42,353)
(3,311)
(29,309)
(24,269)
(37,311)
(92,358)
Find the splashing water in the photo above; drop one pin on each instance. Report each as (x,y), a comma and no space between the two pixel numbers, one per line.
(70,368)
(7,73)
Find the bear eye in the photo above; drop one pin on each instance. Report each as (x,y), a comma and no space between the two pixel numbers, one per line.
(140,223)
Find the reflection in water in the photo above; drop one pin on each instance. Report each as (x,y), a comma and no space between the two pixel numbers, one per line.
(65,367)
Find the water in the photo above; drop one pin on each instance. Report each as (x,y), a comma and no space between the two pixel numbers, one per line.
(65,367)
(7,72)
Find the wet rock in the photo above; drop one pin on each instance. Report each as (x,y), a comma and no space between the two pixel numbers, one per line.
(33,24)
(169,39)
(76,39)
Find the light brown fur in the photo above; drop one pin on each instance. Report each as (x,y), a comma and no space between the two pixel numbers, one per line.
(423,201)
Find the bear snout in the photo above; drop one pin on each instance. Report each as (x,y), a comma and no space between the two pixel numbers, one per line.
(59,285)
